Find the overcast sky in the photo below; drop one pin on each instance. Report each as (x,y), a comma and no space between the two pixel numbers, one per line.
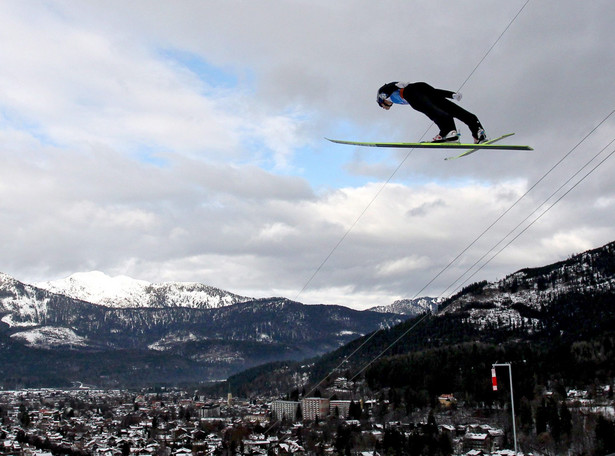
(184,141)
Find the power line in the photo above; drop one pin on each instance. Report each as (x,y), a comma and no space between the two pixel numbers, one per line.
(517,202)
(380,190)
(493,45)
(405,333)
(547,209)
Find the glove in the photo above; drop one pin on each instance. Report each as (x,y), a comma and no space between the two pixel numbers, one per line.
(457,96)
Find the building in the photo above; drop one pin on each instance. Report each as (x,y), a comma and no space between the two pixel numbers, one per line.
(209,411)
(284,409)
(339,408)
(481,442)
(447,400)
(315,407)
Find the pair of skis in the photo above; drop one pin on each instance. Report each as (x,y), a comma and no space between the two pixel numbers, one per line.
(471,148)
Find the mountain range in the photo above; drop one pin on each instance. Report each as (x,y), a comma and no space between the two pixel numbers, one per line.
(98,329)
(123,332)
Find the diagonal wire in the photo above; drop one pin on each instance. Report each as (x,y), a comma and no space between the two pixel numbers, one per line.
(371,202)
(423,317)
(544,212)
(559,162)
(381,189)
(493,45)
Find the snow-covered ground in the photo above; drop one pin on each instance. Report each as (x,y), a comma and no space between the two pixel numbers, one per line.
(50,337)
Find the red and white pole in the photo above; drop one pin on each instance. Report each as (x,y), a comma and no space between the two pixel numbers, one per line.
(494,381)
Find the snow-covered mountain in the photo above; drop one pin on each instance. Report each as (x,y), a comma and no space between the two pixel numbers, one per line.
(125,292)
(411,307)
(165,332)
(173,332)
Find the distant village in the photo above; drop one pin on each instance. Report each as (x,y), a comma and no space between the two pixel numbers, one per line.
(87,421)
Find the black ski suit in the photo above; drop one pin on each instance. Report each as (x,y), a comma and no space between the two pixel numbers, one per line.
(432,102)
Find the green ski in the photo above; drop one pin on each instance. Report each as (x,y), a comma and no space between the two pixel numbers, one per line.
(446,145)
(491,141)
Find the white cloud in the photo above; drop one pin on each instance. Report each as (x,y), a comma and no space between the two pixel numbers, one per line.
(121,155)
(402,266)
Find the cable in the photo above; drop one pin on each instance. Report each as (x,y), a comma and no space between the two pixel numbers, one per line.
(550,207)
(523,221)
(493,45)
(405,333)
(380,190)
(514,204)
(349,230)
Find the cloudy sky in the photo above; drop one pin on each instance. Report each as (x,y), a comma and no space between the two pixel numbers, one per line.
(184,141)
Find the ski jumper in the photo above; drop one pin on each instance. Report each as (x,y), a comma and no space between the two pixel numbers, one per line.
(432,102)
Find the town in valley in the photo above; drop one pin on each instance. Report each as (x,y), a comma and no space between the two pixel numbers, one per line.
(168,422)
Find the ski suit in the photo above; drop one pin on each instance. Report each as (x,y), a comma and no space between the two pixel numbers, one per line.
(432,102)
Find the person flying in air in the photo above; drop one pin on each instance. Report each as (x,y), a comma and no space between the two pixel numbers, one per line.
(435,104)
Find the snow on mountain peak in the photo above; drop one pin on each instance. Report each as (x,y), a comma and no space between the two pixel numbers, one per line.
(96,287)
(121,291)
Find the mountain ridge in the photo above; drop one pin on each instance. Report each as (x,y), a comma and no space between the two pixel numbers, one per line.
(410,307)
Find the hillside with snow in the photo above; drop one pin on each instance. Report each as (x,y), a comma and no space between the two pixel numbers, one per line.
(410,307)
(558,318)
(523,299)
(21,304)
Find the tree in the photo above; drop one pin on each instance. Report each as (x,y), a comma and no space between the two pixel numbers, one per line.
(541,418)
(299,414)
(525,414)
(553,419)
(354,411)
(432,426)
(343,440)
(565,418)
(392,442)
(24,416)
(125,448)
(445,445)
(605,436)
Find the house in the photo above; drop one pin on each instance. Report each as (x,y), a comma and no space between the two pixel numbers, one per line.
(257,442)
(448,429)
(209,411)
(480,442)
(475,453)
(447,400)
